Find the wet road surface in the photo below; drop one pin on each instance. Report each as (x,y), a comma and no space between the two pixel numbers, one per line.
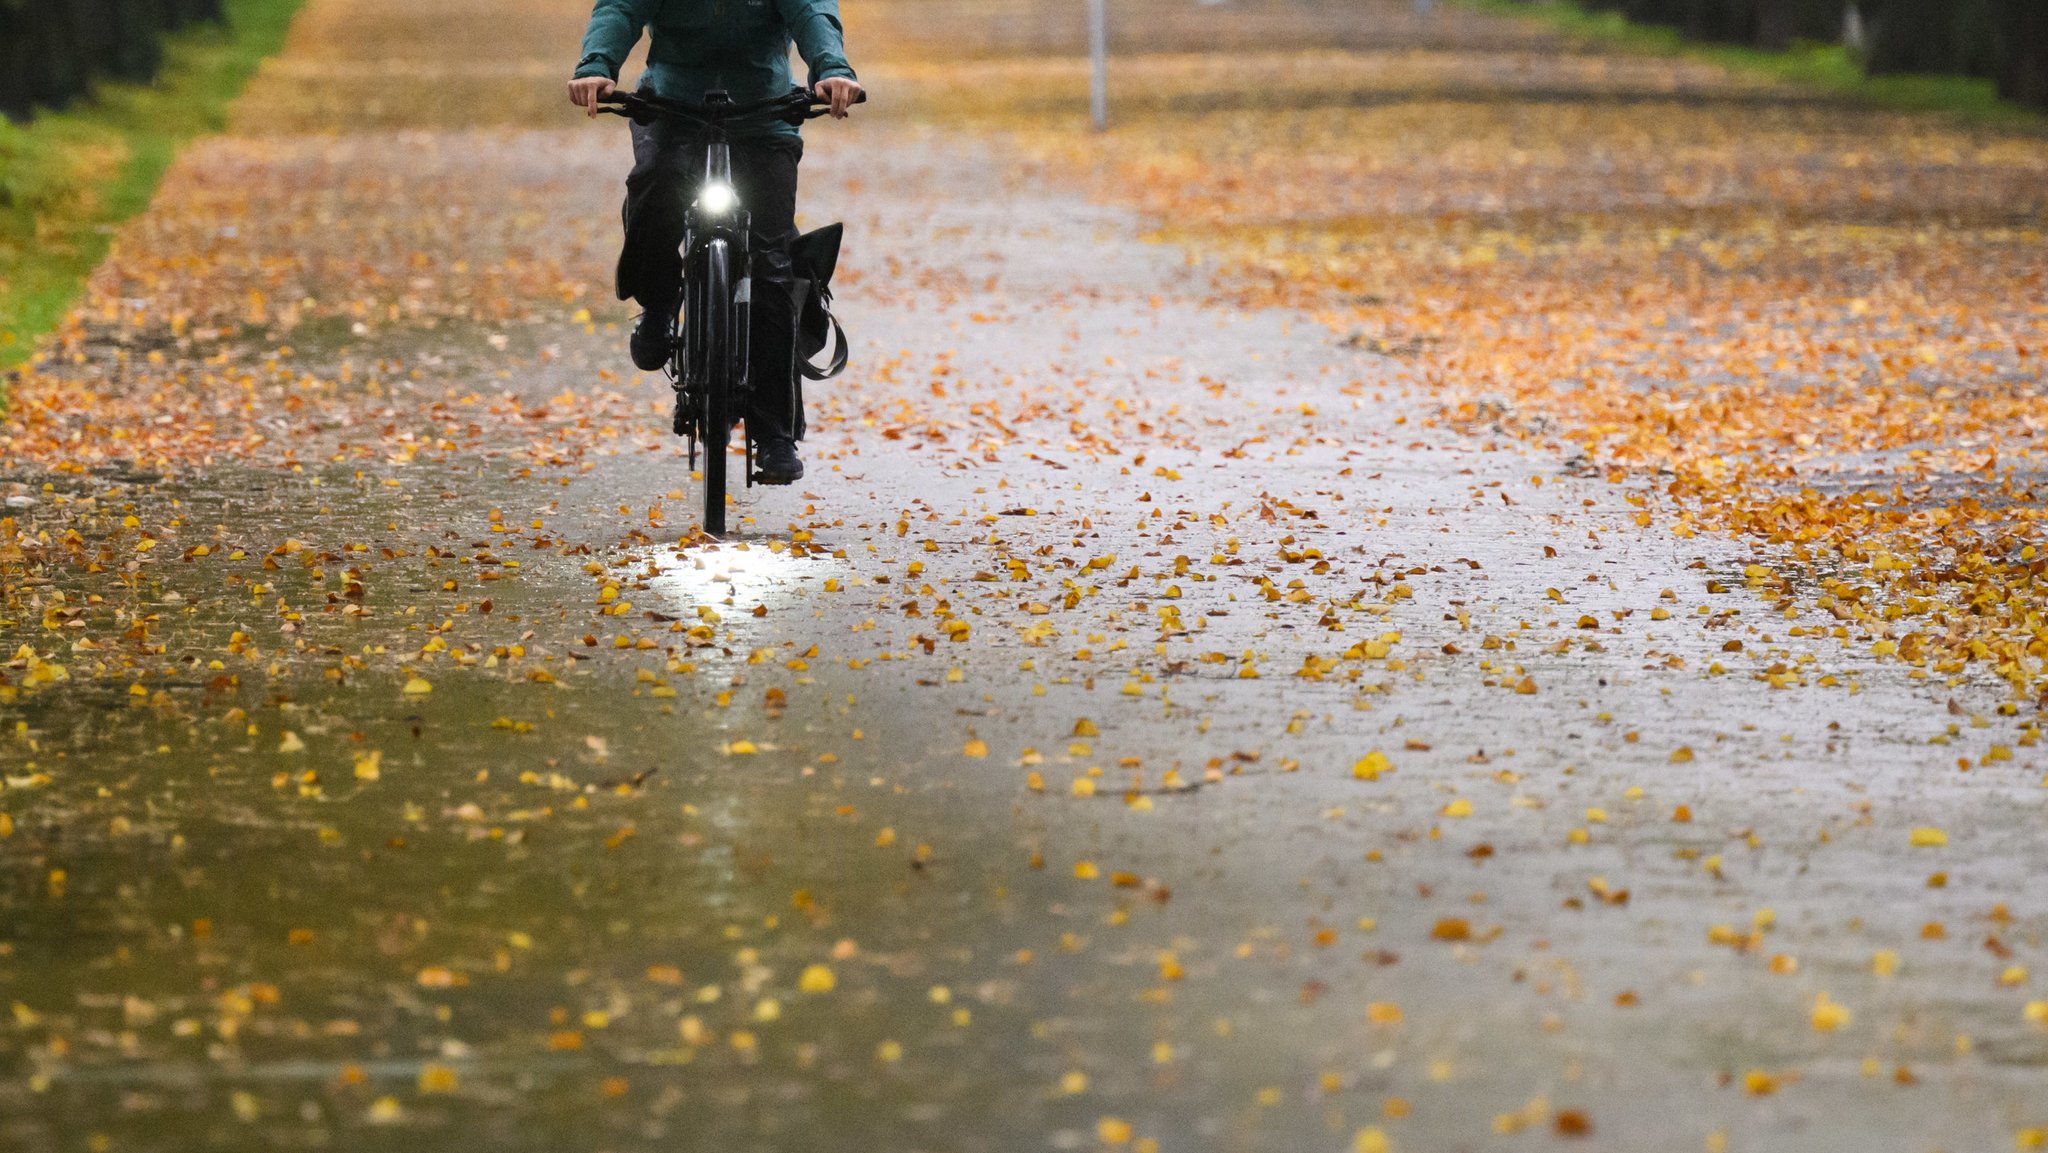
(1137,731)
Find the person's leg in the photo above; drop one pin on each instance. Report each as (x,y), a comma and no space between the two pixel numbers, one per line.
(666,170)
(765,176)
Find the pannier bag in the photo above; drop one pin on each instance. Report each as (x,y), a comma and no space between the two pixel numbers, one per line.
(813,257)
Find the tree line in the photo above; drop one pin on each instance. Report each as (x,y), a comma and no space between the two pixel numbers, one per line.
(51,51)
(2003,40)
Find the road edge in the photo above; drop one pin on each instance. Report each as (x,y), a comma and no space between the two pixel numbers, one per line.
(146,126)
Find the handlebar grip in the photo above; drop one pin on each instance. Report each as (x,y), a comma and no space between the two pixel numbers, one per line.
(820,108)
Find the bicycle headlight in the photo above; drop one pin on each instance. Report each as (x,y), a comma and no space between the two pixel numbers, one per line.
(717,199)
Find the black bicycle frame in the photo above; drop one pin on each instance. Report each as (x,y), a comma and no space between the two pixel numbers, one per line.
(705,227)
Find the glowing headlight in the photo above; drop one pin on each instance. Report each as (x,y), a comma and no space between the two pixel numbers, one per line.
(717,199)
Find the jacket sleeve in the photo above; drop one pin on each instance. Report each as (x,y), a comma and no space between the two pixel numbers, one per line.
(614,29)
(819,36)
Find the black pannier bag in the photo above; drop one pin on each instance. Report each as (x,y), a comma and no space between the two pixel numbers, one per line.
(813,257)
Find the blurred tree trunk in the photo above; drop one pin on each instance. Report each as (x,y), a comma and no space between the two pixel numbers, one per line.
(2022,31)
(1959,37)
(14,45)
(50,50)
(1776,23)
(136,29)
(1780,23)
(65,57)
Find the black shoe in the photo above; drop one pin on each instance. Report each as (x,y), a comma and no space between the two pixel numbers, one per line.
(775,462)
(653,340)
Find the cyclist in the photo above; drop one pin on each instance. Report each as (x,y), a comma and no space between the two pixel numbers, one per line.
(741,47)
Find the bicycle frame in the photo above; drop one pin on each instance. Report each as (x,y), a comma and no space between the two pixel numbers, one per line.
(716,223)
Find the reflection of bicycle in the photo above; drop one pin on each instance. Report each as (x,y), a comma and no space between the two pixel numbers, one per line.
(708,363)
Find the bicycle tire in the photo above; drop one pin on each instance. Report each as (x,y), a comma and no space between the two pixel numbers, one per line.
(715,330)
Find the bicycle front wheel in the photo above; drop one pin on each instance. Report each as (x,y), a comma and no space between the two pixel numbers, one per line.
(719,379)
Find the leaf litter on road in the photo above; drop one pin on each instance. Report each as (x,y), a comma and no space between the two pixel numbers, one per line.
(419,702)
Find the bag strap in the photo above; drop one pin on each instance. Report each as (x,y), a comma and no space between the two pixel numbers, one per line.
(841,349)
(839,355)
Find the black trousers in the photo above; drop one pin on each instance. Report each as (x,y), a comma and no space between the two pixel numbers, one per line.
(668,165)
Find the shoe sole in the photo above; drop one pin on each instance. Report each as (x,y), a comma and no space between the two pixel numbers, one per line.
(660,356)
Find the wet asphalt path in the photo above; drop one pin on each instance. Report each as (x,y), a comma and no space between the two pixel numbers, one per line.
(1004,785)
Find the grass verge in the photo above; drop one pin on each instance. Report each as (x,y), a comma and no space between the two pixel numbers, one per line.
(1827,67)
(67,179)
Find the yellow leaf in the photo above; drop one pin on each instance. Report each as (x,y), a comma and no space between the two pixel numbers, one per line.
(385,1111)
(1829,1015)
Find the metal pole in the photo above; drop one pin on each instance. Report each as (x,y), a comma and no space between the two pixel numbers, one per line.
(1098,49)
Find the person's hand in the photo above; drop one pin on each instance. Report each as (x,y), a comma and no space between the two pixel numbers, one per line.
(586,91)
(840,93)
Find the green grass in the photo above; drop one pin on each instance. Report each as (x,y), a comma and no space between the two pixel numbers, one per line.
(68,179)
(1825,67)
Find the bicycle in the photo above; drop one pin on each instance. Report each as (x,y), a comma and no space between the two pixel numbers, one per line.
(709,362)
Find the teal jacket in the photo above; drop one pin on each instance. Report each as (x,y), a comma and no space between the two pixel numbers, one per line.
(741,46)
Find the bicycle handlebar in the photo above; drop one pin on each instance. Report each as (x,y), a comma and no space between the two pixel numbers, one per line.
(792,107)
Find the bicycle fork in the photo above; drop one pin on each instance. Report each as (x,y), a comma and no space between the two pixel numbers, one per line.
(717,221)
(718,173)
(721,199)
